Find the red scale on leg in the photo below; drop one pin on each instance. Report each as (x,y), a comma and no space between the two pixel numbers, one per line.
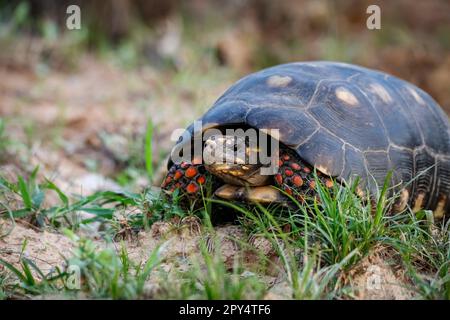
(296,177)
(288,190)
(191,172)
(192,187)
(178,175)
(279,179)
(186,177)
(201,179)
(168,180)
(297,180)
(190,179)
(288,172)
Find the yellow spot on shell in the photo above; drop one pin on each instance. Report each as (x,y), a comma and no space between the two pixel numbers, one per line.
(402,201)
(418,204)
(381,92)
(416,96)
(278,81)
(360,192)
(346,96)
(439,211)
(323,169)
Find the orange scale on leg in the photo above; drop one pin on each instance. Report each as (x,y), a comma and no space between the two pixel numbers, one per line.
(201,180)
(178,174)
(297,180)
(288,172)
(288,191)
(191,188)
(279,179)
(168,180)
(191,172)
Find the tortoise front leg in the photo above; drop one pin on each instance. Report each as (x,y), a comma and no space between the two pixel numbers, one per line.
(296,178)
(192,181)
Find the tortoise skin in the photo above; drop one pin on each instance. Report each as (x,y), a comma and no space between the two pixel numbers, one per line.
(348,121)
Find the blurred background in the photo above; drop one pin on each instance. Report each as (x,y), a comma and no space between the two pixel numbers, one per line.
(83,104)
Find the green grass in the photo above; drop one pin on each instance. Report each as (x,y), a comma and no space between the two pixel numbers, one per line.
(316,244)
(103,273)
(106,273)
(341,223)
(337,231)
(24,200)
(424,247)
(28,278)
(210,278)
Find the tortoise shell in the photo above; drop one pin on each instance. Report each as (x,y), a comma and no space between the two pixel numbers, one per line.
(349,121)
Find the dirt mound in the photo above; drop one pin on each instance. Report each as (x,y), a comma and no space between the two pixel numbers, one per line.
(46,249)
(379,277)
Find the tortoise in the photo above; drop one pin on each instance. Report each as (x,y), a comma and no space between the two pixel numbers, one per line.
(336,119)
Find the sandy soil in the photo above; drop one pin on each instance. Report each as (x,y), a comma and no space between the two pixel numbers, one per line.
(379,277)
(92,115)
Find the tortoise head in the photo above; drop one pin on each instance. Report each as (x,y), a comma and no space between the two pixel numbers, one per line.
(233,160)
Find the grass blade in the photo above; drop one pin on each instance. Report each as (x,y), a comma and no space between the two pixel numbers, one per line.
(50,185)
(23,188)
(13,269)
